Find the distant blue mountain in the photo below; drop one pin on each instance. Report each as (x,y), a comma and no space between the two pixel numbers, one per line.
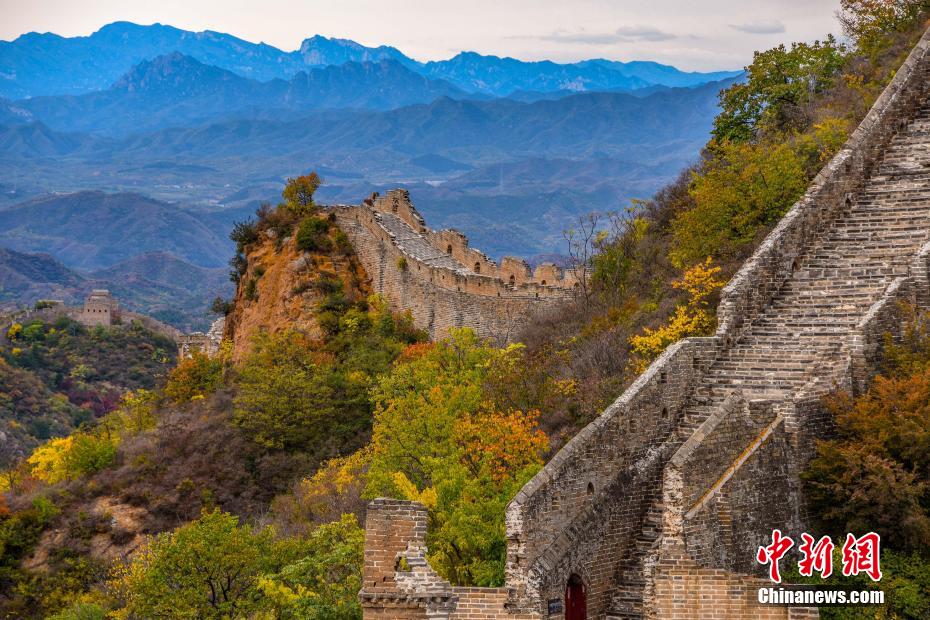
(47,64)
(176,90)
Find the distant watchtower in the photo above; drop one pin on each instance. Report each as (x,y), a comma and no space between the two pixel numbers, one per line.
(100,308)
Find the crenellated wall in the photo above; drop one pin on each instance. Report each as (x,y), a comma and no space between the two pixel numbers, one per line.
(438,278)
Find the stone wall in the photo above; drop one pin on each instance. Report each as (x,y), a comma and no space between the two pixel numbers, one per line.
(438,278)
(581,513)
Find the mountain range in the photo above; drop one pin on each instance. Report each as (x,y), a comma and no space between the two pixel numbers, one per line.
(127,155)
(37,64)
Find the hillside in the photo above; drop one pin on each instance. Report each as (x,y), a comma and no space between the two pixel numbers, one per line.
(157,284)
(94,230)
(58,375)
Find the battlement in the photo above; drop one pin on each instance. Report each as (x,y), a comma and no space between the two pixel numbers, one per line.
(439,278)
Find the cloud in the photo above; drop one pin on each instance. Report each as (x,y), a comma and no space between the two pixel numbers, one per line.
(762,26)
(624,34)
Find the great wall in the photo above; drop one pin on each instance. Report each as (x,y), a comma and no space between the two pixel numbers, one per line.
(657,508)
(441,280)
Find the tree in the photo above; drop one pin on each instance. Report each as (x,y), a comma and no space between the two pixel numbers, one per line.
(194,377)
(692,318)
(221,306)
(438,439)
(284,398)
(208,568)
(870,22)
(875,475)
(298,193)
(324,584)
(740,190)
(779,90)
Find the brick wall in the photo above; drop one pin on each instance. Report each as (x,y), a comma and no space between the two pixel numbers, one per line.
(444,294)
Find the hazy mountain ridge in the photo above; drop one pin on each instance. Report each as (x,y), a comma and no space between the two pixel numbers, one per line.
(178,91)
(37,64)
(94,230)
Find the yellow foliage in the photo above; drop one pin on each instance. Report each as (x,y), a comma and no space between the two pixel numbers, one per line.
(409,491)
(49,461)
(691,318)
(15,330)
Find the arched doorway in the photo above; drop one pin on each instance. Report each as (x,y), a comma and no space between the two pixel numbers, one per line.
(576,604)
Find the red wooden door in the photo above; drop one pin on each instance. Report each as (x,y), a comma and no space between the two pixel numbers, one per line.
(576,607)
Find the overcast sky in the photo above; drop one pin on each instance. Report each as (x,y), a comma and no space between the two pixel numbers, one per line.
(690,34)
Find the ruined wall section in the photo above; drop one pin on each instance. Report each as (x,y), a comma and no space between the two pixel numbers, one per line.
(427,272)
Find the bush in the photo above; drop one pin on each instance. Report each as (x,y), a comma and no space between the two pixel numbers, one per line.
(244,234)
(194,376)
(342,242)
(251,289)
(312,235)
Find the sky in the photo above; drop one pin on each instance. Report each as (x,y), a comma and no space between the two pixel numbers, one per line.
(692,35)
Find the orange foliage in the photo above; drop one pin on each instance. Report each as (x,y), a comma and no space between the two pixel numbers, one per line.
(499,444)
(414,351)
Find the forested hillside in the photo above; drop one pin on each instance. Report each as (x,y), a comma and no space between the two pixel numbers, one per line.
(252,467)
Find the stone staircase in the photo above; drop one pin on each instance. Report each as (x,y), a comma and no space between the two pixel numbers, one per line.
(803,333)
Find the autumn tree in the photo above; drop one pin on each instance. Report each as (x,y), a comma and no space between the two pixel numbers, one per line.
(870,23)
(739,191)
(693,317)
(195,376)
(439,440)
(298,193)
(875,475)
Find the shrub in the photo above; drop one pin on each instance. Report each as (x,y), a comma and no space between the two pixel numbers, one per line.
(251,289)
(197,375)
(312,235)
(402,263)
(342,242)
(244,234)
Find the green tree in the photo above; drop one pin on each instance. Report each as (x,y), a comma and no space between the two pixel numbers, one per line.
(439,440)
(324,583)
(285,399)
(206,569)
(779,90)
(740,190)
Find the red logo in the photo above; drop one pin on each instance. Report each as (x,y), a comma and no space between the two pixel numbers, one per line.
(860,555)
